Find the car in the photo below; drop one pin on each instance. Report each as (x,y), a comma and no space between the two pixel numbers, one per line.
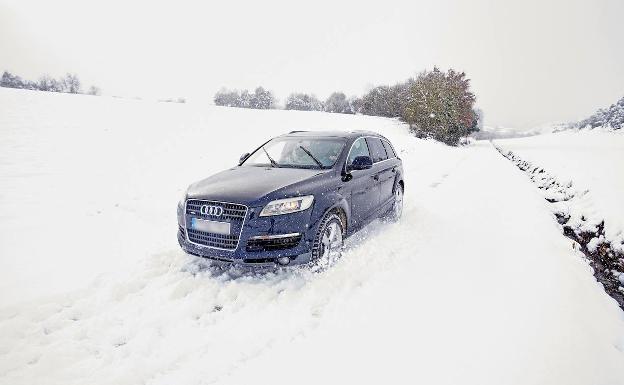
(294,200)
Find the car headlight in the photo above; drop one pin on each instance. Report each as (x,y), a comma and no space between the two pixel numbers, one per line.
(287,206)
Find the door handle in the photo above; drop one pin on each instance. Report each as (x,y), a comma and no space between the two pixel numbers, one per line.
(393,169)
(376,176)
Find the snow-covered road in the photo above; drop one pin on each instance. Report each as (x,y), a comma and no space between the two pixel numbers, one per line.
(476,284)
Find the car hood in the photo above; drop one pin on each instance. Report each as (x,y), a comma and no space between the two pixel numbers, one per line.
(249,185)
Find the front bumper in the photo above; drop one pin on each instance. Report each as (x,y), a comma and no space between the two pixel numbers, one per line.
(247,251)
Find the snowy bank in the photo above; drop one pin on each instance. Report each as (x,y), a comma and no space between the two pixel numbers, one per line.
(582,174)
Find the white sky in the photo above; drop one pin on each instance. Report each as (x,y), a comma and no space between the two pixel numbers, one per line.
(530,61)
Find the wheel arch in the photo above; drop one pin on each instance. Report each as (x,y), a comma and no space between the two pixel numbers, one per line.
(398,182)
(337,203)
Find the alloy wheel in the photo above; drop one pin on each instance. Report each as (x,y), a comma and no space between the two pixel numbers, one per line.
(331,240)
(397,208)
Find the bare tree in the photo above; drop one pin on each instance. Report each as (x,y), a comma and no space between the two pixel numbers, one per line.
(48,83)
(71,83)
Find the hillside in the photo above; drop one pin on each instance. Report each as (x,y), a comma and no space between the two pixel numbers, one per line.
(475,285)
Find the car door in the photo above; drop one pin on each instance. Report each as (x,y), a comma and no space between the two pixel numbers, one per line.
(364,188)
(393,164)
(383,172)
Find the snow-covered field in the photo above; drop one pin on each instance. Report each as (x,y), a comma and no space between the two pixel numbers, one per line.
(475,285)
(592,163)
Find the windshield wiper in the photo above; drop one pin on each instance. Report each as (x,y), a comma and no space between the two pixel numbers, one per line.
(312,156)
(273,162)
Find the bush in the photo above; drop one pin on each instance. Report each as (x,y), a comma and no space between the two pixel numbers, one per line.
(9,80)
(47,83)
(612,117)
(388,101)
(477,121)
(440,106)
(338,103)
(303,102)
(93,90)
(261,99)
(69,83)
(227,98)
(376,102)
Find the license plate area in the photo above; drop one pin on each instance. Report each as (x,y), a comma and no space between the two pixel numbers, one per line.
(222,228)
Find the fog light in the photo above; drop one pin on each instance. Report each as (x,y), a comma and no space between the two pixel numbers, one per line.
(283,261)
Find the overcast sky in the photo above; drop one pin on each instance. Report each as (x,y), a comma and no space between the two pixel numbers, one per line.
(530,61)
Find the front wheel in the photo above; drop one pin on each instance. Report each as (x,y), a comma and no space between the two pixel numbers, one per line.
(328,241)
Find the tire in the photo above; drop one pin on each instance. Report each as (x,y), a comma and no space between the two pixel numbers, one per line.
(329,239)
(397,206)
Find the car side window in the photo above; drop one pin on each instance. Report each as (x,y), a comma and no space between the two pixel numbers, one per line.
(377,149)
(389,149)
(359,148)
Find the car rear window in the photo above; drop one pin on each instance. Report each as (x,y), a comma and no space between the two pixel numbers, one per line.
(378,153)
(389,149)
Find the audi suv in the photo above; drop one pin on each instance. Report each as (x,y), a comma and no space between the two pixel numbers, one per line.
(293,200)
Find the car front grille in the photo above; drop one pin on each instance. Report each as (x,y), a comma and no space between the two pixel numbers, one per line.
(233,213)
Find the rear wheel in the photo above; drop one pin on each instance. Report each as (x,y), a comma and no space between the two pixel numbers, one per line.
(329,239)
(397,206)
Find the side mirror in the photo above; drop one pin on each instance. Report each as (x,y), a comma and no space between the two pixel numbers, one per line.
(361,163)
(243,158)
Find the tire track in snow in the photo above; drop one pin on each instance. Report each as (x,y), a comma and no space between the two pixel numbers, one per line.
(142,317)
(175,308)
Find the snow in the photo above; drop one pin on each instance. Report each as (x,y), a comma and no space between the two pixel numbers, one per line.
(475,285)
(592,161)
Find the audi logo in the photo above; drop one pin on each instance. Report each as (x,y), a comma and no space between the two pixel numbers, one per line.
(213,211)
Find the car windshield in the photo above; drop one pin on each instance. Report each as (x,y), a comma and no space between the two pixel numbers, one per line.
(297,152)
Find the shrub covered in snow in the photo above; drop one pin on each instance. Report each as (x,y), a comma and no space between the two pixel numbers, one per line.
(94,90)
(612,117)
(48,83)
(388,101)
(440,106)
(338,102)
(436,105)
(69,83)
(303,102)
(261,99)
(9,80)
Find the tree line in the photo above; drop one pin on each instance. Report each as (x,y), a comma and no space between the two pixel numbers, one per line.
(435,104)
(70,83)
(612,117)
(264,99)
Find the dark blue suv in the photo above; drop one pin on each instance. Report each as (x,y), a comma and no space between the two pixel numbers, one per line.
(293,200)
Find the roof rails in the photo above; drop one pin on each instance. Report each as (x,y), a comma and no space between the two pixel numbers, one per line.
(367,132)
(294,132)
